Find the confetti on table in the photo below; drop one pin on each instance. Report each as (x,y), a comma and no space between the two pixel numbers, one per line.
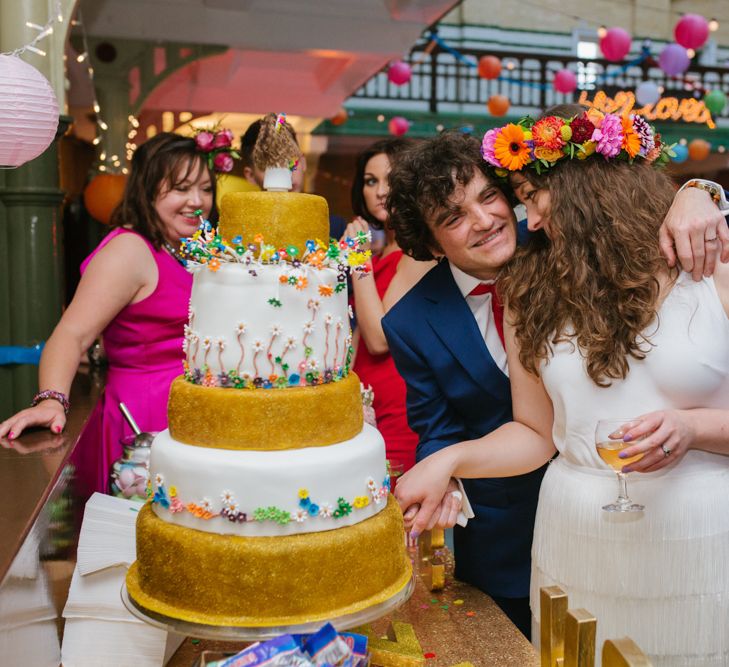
(195,641)
(444,606)
(429,656)
(458,602)
(470,613)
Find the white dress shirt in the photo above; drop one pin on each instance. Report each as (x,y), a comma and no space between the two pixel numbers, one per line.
(483,313)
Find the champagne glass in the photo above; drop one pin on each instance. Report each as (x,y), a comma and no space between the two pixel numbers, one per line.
(609,443)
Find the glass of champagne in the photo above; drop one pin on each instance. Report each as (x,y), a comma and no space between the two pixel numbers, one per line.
(609,443)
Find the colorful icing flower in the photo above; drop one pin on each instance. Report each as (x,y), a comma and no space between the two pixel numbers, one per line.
(303,493)
(304,502)
(276,303)
(275,330)
(371,484)
(299,515)
(176,505)
(207,342)
(314,304)
(309,328)
(547,133)
(173,491)
(361,501)
(159,479)
(214,264)
(290,343)
(328,318)
(326,511)
(609,136)
(160,497)
(313,509)
(312,364)
(582,129)
(511,148)
(258,346)
(240,328)
(326,290)
(227,497)
(206,504)
(220,343)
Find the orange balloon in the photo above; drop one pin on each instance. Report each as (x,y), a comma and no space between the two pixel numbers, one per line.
(339,118)
(498,105)
(102,195)
(699,149)
(489,67)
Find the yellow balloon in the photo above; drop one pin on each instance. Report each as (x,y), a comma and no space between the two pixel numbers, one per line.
(229,183)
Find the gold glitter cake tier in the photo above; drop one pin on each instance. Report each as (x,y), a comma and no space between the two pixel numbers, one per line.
(265,419)
(227,580)
(282,218)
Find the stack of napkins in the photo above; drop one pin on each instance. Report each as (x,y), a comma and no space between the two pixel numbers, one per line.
(99,630)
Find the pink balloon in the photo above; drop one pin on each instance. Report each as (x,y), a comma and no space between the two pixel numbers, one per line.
(615,44)
(398,126)
(674,60)
(565,81)
(399,73)
(691,31)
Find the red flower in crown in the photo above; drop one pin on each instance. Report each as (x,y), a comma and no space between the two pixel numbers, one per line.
(223,139)
(582,129)
(205,141)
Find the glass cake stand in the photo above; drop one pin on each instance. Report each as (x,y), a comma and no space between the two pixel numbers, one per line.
(204,631)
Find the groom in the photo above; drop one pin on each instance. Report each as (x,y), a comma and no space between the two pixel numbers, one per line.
(446,337)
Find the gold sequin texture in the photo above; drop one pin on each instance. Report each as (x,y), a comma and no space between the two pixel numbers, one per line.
(267,581)
(265,419)
(282,218)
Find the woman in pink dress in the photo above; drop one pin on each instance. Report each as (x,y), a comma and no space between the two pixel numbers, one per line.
(375,293)
(134,290)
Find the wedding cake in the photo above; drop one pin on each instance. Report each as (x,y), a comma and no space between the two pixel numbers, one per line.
(269,497)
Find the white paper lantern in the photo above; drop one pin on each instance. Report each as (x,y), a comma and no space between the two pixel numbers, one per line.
(647,93)
(28,112)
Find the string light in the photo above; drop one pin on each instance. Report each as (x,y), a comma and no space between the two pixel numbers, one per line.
(43,32)
(713,25)
(601,31)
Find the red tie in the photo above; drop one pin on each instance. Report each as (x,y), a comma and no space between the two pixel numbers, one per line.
(498,309)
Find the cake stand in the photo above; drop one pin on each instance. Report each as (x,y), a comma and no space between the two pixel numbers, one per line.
(204,631)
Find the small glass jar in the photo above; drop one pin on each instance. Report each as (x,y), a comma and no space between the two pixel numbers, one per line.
(129,474)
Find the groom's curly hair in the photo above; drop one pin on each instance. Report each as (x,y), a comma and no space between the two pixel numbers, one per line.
(422,181)
(593,282)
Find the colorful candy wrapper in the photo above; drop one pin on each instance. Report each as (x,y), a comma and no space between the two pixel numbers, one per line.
(357,645)
(282,651)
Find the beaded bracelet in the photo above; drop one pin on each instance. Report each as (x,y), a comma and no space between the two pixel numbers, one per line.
(52,394)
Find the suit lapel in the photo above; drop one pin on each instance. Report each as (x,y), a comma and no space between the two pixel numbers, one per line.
(452,321)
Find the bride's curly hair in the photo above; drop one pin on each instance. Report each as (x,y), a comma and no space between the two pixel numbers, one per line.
(594,281)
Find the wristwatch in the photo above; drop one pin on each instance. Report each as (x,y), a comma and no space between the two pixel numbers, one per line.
(714,189)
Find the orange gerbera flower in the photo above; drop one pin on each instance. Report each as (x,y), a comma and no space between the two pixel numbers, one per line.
(547,133)
(631,141)
(511,148)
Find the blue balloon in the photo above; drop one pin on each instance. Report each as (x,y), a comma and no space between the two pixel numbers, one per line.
(681,152)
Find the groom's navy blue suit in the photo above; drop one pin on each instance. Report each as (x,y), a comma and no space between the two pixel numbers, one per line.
(455,392)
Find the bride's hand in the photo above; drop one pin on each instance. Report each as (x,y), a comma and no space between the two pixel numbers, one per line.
(424,486)
(668,435)
(445,515)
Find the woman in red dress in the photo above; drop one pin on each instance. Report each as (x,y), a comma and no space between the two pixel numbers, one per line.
(375,293)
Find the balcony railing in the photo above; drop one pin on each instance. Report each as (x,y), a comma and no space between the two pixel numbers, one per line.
(441,83)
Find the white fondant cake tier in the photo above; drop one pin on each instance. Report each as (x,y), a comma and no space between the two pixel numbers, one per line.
(278,324)
(265,493)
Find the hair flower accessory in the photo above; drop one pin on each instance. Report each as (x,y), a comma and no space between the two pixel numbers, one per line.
(217,145)
(543,143)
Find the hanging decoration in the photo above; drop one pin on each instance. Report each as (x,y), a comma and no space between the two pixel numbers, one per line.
(680,153)
(28,105)
(28,112)
(398,126)
(498,105)
(339,118)
(699,149)
(565,81)
(399,73)
(489,67)
(691,31)
(103,194)
(715,101)
(615,45)
(674,60)
(647,92)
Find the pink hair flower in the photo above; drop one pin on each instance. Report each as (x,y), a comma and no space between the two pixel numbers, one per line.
(487,147)
(223,162)
(205,141)
(223,139)
(609,136)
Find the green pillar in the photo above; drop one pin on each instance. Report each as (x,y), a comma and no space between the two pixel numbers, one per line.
(31,244)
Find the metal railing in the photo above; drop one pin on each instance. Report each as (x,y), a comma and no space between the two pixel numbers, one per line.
(440,82)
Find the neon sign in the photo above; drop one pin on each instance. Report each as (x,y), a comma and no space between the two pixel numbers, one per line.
(666,108)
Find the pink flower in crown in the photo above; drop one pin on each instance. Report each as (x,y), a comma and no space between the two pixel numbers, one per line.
(205,141)
(609,136)
(487,147)
(223,139)
(223,162)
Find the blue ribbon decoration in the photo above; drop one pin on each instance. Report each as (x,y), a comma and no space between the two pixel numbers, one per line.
(16,354)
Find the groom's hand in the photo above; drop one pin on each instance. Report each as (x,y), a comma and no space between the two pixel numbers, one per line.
(694,232)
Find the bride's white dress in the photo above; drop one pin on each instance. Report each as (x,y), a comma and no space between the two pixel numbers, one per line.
(660,576)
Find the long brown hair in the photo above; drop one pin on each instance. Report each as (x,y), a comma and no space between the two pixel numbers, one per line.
(594,281)
(165,158)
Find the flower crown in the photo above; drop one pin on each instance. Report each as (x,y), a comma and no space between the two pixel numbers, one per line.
(543,143)
(216,144)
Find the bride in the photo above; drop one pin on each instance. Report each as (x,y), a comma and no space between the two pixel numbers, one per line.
(599,327)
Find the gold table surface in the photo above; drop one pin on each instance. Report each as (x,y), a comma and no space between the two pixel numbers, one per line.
(459,624)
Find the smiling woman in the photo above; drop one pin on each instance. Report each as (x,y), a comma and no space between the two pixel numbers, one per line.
(134,291)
